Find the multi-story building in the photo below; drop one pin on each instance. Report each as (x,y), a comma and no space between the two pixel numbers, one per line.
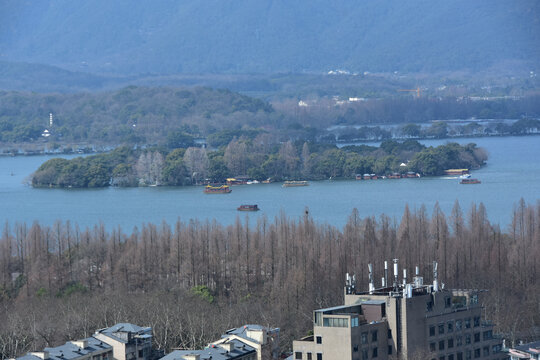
(248,342)
(86,349)
(128,341)
(264,340)
(403,320)
(231,350)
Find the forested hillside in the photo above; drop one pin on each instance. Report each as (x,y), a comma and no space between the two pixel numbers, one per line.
(174,117)
(192,280)
(130,115)
(271,36)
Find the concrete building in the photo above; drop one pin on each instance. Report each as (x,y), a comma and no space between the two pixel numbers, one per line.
(404,320)
(248,342)
(86,349)
(264,340)
(231,350)
(525,351)
(128,341)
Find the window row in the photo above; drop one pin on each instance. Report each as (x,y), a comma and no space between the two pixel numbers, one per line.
(449,328)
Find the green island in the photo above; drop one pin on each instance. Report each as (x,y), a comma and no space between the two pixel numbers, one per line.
(255,159)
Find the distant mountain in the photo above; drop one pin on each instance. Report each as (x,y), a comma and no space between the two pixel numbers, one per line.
(269,36)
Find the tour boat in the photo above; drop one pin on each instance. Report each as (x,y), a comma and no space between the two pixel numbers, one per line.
(248,208)
(223,189)
(295,183)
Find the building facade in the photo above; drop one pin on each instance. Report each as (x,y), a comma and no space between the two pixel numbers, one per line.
(128,341)
(402,321)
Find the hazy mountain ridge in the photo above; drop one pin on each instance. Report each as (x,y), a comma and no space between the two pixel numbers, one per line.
(270,36)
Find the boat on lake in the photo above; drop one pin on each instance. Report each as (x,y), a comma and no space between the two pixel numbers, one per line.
(456,171)
(248,208)
(222,189)
(469,181)
(295,183)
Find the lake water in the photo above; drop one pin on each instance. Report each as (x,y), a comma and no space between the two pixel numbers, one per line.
(513,171)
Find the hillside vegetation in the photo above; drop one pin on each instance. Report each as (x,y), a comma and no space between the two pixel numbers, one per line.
(271,36)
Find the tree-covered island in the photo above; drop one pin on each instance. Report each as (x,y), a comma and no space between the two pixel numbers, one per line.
(255,157)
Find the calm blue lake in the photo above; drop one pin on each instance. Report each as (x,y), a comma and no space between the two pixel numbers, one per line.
(513,171)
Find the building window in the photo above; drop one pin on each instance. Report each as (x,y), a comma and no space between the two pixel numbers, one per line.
(459,356)
(432,346)
(374,353)
(451,357)
(458,325)
(441,345)
(441,358)
(477,337)
(389,333)
(319,356)
(364,354)
(488,335)
(354,322)
(429,306)
(476,321)
(467,339)
(441,329)
(450,326)
(468,323)
(468,355)
(140,353)
(308,356)
(364,338)
(486,350)
(355,348)
(476,353)
(319,339)
(431,330)
(374,336)
(298,355)
(450,343)
(389,349)
(459,341)
(496,348)
(447,302)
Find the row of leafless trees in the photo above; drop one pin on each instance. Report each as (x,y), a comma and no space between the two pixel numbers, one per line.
(61,282)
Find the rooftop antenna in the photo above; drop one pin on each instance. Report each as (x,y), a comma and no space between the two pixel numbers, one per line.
(435,277)
(404,277)
(418,280)
(371,286)
(395,274)
(385,282)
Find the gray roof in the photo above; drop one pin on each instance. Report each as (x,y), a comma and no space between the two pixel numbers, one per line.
(214,352)
(343,309)
(116,332)
(526,347)
(70,351)
(126,327)
(241,331)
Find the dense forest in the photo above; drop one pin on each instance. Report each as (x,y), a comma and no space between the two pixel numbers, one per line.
(258,159)
(194,279)
(141,115)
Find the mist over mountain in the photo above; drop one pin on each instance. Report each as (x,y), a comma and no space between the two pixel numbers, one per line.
(242,36)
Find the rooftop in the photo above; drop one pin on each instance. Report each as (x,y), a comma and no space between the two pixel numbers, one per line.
(214,352)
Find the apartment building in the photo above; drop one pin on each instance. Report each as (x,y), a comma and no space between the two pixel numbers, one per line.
(128,341)
(85,349)
(263,339)
(231,350)
(404,320)
(248,342)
